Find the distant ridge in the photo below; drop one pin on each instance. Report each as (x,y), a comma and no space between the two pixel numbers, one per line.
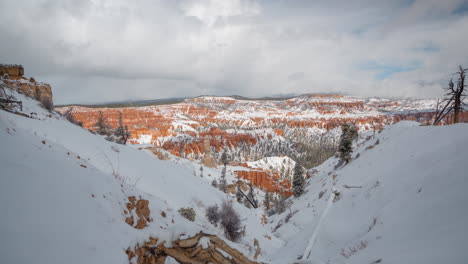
(175,100)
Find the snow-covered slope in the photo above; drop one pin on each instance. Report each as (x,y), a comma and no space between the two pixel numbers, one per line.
(61,202)
(402,200)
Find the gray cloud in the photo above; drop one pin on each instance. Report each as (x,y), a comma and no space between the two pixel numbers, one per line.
(103,50)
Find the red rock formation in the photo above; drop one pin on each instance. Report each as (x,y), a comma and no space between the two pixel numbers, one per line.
(266,181)
(210,124)
(14,78)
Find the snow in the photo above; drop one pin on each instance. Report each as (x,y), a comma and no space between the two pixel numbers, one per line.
(144,139)
(408,204)
(204,242)
(64,190)
(56,211)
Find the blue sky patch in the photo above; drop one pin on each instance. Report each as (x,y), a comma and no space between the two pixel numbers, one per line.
(385,71)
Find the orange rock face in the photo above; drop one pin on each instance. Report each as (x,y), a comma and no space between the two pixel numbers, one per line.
(37,90)
(201,128)
(268,182)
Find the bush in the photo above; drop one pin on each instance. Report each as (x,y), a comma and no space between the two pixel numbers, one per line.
(188,213)
(214,183)
(212,214)
(230,221)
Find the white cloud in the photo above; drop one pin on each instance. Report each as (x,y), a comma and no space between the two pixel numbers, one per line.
(116,50)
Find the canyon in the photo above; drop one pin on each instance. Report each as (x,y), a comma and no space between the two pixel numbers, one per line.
(305,128)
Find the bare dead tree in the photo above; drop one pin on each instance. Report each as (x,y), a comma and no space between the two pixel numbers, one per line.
(453,98)
(247,198)
(459,94)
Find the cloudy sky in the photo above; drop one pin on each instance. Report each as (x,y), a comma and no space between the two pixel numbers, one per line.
(112,50)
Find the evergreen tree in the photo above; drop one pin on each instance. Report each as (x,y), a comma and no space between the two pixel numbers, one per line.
(267,201)
(279,204)
(201,171)
(101,127)
(348,135)
(239,195)
(121,133)
(222,181)
(298,183)
(224,158)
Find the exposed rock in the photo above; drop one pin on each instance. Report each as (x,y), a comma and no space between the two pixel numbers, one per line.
(13,71)
(37,90)
(266,181)
(142,211)
(202,128)
(208,159)
(160,154)
(187,251)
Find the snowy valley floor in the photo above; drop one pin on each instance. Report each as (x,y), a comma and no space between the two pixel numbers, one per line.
(402,200)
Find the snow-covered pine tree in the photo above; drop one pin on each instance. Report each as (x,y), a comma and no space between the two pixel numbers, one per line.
(348,135)
(298,183)
(267,201)
(222,181)
(121,133)
(224,158)
(239,195)
(279,204)
(101,126)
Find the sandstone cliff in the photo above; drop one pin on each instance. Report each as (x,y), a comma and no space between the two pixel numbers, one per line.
(13,77)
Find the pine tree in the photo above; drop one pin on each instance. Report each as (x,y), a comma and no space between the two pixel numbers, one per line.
(267,201)
(224,158)
(298,183)
(222,181)
(201,171)
(239,195)
(101,126)
(348,135)
(121,133)
(279,204)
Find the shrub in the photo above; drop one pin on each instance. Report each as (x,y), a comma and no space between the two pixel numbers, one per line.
(230,221)
(188,213)
(212,213)
(214,183)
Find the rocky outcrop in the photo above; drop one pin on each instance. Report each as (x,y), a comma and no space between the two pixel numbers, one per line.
(267,181)
(137,213)
(200,249)
(13,71)
(202,128)
(208,159)
(13,77)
